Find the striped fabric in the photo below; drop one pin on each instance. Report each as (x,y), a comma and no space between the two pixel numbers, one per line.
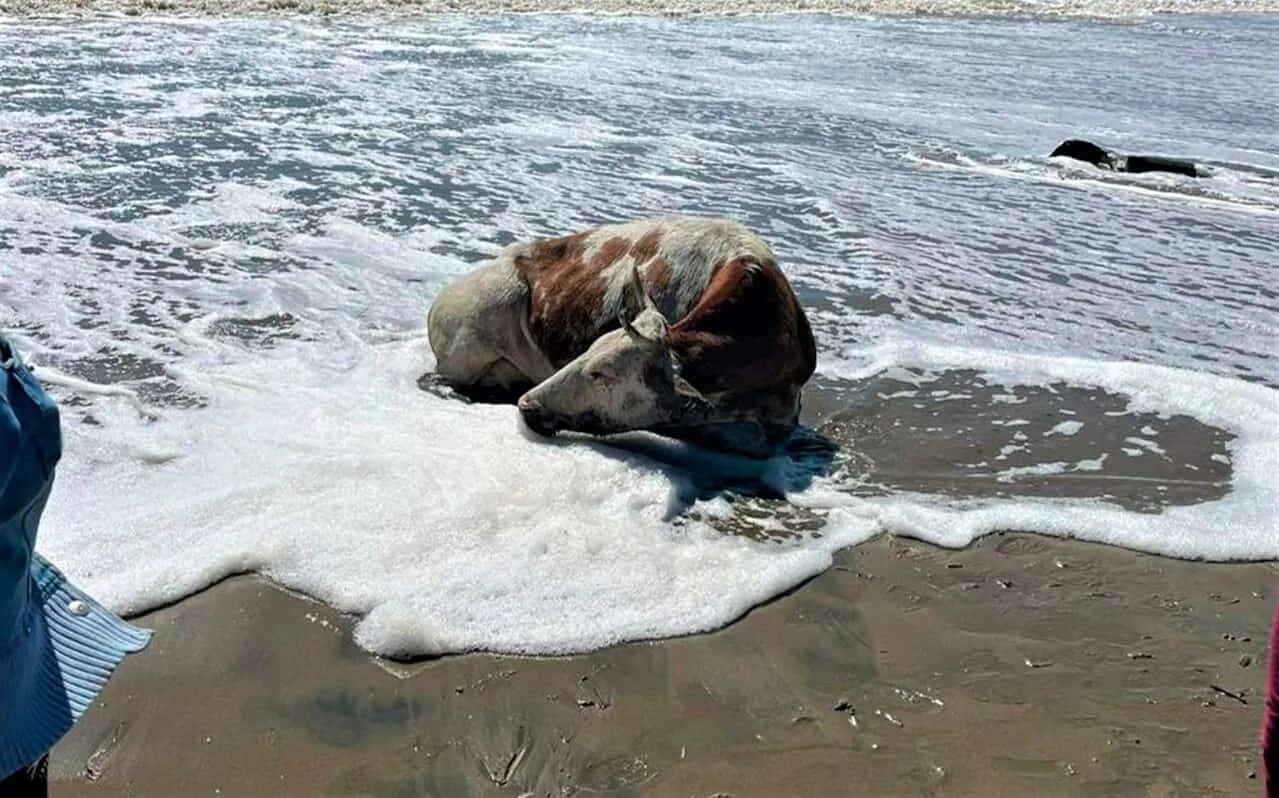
(58,647)
(72,647)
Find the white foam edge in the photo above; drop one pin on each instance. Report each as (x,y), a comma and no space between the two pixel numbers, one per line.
(48,375)
(449,531)
(437,522)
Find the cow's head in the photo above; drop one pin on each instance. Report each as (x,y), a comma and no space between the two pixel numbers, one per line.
(627,380)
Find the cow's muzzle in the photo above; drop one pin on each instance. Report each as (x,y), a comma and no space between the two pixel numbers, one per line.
(536,417)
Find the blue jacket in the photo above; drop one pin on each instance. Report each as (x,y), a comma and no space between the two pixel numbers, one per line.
(58,646)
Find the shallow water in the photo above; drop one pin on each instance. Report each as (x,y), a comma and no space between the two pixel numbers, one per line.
(219,240)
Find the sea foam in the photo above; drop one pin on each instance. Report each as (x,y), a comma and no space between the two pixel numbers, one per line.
(227,291)
(449,529)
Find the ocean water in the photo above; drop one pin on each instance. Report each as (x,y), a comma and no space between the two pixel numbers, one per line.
(219,240)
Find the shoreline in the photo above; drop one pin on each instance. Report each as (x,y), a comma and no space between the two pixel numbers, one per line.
(1068,11)
(1085,666)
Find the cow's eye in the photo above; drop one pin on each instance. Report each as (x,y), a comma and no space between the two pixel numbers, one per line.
(598,375)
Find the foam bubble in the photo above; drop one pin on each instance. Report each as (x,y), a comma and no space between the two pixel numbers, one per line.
(1146,444)
(1037,470)
(1066,428)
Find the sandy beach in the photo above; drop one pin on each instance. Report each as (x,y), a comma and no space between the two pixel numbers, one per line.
(1021,666)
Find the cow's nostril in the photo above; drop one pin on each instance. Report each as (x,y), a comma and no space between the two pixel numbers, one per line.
(536,418)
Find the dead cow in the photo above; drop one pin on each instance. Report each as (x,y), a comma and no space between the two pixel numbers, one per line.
(582,323)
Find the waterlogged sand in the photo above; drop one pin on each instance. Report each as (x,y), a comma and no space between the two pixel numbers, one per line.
(1021,666)
(1087,8)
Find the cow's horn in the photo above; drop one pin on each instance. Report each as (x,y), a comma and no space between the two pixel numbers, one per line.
(642,298)
(626,324)
(635,302)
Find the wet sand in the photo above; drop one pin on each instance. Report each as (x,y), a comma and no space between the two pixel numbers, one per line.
(1020,666)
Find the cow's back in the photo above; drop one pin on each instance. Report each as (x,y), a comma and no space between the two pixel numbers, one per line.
(577,282)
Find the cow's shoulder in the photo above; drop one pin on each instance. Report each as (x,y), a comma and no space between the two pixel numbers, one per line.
(568,279)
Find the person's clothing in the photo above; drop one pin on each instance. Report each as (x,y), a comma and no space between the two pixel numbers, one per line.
(27,782)
(1270,719)
(58,646)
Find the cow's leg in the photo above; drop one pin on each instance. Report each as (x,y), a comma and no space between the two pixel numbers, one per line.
(500,383)
(477,329)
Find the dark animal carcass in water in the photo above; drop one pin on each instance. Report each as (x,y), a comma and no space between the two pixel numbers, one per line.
(1088,152)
